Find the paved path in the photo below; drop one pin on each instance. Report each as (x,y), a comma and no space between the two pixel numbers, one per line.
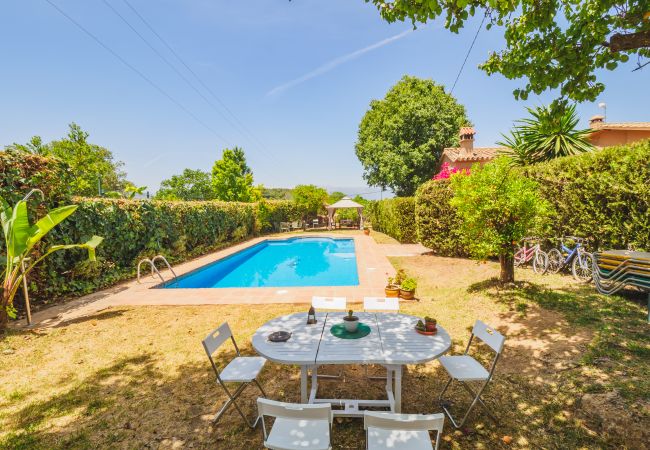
(372,265)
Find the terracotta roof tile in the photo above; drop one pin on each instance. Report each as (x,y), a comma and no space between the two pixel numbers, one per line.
(476,154)
(621,126)
(466,130)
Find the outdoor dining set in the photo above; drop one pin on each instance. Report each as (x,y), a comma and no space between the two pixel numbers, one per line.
(321,337)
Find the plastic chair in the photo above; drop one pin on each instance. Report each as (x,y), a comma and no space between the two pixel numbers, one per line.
(463,368)
(242,369)
(296,426)
(331,303)
(385,431)
(380,304)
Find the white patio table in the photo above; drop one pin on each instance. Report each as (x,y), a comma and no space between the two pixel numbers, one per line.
(392,343)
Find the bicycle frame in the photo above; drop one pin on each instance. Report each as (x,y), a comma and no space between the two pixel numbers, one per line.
(571,253)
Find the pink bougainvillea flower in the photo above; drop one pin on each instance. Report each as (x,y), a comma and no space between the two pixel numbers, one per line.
(446,172)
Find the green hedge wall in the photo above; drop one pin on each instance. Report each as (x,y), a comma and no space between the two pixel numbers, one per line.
(438,226)
(395,217)
(603,196)
(271,212)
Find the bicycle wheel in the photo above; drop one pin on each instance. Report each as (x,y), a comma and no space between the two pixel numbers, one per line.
(554,260)
(540,262)
(582,268)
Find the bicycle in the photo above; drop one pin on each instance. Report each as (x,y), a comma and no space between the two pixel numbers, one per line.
(580,260)
(534,253)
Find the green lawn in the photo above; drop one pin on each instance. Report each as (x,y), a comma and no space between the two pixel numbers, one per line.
(574,372)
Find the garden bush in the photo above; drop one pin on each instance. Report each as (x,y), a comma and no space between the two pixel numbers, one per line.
(271,212)
(395,217)
(438,226)
(603,196)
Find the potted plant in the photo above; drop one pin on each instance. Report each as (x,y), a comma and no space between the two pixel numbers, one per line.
(391,289)
(366,230)
(430,324)
(351,322)
(399,277)
(407,288)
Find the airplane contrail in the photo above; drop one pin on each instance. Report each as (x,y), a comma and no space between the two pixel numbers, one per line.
(331,65)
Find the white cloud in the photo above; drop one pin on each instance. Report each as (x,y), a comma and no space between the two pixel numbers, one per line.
(333,64)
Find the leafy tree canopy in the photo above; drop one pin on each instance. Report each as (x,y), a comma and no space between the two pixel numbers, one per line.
(550,132)
(88,162)
(553,44)
(190,185)
(232,179)
(401,137)
(310,199)
(276,193)
(498,206)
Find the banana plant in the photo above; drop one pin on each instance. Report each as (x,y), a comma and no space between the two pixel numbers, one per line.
(20,238)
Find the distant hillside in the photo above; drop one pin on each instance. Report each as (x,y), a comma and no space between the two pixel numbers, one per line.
(277,193)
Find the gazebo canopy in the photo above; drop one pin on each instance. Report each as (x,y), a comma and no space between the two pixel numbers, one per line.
(345,202)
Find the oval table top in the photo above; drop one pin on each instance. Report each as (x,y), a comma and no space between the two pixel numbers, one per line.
(392,340)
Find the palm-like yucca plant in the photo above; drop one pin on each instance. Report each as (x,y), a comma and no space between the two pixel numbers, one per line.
(20,238)
(550,132)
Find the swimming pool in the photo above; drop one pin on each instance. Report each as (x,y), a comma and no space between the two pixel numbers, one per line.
(300,261)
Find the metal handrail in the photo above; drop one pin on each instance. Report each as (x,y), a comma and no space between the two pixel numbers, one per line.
(166,263)
(153,268)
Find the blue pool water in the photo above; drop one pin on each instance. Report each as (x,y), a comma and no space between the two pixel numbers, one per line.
(279,263)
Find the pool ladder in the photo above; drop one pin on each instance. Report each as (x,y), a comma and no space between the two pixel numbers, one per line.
(152,263)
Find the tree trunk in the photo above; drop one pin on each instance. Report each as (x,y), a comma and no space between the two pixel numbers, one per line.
(507,268)
(630,41)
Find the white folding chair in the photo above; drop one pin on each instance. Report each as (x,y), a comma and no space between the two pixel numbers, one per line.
(386,431)
(380,304)
(331,303)
(296,426)
(242,369)
(463,368)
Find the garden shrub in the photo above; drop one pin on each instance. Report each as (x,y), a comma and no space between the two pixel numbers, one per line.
(603,196)
(271,212)
(395,217)
(438,226)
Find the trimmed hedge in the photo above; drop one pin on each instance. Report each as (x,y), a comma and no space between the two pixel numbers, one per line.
(438,226)
(395,217)
(271,212)
(603,196)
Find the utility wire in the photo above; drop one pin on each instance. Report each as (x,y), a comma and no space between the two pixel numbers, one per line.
(172,66)
(138,72)
(189,69)
(468,52)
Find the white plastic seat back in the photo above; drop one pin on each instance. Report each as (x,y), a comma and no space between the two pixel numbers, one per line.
(405,423)
(381,304)
(296,411)
(334,303)
(489,336)
(217,337)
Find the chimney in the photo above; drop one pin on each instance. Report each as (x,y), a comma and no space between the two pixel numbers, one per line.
(467,139)
(595,121)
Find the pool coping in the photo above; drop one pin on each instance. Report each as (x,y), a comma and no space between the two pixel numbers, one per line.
(372,266)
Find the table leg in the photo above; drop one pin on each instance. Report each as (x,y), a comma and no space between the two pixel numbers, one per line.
(398,389)
(314,384)
(303,384)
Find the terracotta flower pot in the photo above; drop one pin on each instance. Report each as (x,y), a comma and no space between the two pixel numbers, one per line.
(407,295)
(366,232)
(430,327)
(391,291)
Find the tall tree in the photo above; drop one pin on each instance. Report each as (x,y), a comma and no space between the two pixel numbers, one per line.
(401,137)
(551,132)
(232,179)
(89,162)
(552,44)
(190,185)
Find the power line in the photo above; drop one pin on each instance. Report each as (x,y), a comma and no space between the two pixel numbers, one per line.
(172,66)
(468,52)
(189,69)
(138,72)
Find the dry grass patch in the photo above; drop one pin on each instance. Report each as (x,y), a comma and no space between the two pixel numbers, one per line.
(138,377)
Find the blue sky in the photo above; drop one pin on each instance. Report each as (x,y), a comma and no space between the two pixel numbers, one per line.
(298,76)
